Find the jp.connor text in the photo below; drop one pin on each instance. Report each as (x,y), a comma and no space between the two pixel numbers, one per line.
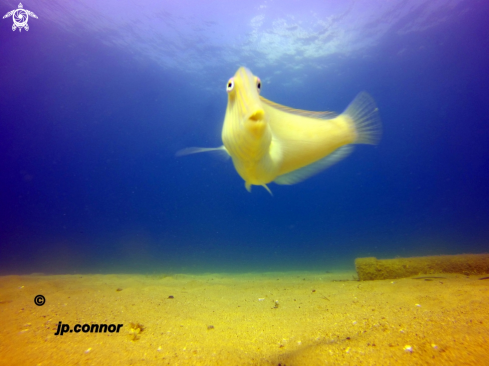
(88,328)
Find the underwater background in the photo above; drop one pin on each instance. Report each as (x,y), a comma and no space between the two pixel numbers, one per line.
(97,97)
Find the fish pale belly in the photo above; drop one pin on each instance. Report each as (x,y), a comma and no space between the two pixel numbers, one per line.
(256,172)
(300,146)
(297,142)
(304,144)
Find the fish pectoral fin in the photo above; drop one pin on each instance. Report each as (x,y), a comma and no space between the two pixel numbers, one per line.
(219,151)
(308,171)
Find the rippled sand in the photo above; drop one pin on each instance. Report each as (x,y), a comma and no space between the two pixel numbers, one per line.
(250,319)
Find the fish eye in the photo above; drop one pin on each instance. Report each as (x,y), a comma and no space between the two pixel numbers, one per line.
(258,84)
(230,85)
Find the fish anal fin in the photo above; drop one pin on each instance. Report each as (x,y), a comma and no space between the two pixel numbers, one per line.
(308,171)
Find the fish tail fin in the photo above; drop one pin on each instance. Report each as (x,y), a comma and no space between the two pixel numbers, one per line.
(194,150)
(365,115)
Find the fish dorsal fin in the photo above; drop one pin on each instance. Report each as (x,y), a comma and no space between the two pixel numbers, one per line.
(299,112)
(219,151)
(308,171)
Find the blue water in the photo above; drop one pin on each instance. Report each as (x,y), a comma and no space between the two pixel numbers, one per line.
(90,181)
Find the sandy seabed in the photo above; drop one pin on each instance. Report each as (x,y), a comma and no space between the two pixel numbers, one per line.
(293,318)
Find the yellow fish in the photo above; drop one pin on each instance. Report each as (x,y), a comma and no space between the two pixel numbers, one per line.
(269,142)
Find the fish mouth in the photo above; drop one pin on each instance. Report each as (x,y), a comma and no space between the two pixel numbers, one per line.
(257,115)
